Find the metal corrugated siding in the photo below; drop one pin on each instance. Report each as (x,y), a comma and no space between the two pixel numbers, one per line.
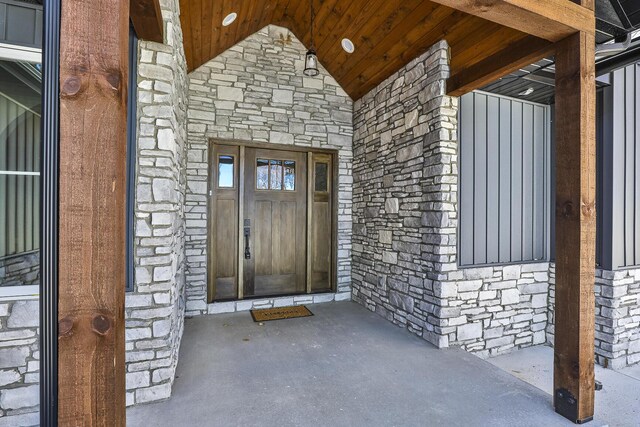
(504,180)
(20,23)
(19,194)
(621,192)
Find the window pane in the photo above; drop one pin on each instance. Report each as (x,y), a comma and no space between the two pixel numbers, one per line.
(289,175)
(321,177)
(262,174)
(225,171)
(20,110)
(275,183)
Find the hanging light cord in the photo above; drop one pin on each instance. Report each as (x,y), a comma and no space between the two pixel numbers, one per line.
(312,20)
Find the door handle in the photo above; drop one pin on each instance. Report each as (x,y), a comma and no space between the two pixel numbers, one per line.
(247,236)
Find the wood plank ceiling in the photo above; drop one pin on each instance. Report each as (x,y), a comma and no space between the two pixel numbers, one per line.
(387,33)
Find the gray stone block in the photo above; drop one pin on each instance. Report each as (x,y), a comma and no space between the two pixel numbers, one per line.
(24,314)
(20,397)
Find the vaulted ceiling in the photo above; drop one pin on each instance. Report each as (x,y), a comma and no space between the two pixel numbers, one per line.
(387,33)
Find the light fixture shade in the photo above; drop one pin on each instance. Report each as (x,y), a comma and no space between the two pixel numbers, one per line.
(311,64)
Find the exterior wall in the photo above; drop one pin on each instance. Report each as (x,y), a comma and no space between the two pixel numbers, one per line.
(404,196)
(620,181)
(19,361)
(20,270)
(617,337)
(155,310)
(255,92)
(504,180)
(405,246)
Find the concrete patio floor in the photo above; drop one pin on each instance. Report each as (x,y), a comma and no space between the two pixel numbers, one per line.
(617,404)
(345,366)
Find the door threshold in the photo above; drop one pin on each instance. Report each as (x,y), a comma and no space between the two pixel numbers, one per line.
(284,301)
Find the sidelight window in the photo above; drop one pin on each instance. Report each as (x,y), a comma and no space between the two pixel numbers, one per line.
(321,181)
(225,171)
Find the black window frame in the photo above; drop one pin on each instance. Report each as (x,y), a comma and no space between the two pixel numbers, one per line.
(131,159)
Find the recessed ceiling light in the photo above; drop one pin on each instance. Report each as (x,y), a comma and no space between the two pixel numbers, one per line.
(348,46)
(228,20)
(526,92)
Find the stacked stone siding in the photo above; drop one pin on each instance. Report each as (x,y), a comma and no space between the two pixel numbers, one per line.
(255,92)
(19,361)
(405,223)
(617,330)
(155,311)
(21,269)
(404,180)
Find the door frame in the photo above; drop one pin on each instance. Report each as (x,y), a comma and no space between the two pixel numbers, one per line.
(240,188)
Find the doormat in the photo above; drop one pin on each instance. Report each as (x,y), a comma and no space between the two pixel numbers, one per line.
(264,315)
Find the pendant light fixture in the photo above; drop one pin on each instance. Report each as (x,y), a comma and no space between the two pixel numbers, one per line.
(311,60)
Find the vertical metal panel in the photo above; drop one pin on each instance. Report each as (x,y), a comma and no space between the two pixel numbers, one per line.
(636,170)
(551,214)
(466,179)
(504,213)
(621,169)
(540,182)
(603,198)
(618,159)
(480,180)
(504,180)
(516,180)
(493,184)
(527,182)
(629,157)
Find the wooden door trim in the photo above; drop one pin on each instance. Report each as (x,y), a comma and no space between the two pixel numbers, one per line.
(271,146)
(212,213)
(334,222)
(212,142)
(310,182)
(240,260)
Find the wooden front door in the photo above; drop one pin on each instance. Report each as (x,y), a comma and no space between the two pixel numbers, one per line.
(272,222)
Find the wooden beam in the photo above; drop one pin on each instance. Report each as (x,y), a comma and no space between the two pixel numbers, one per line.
(575,227)
(146,17)
(94,40)
(515,56)
(551,20)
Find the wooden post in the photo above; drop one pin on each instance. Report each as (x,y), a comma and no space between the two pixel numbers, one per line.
(93,97)
(575,227)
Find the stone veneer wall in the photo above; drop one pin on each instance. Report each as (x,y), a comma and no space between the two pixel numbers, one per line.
(255,92)
(19,361)
(405,223)
(617,333)
(155,311)
(20,270)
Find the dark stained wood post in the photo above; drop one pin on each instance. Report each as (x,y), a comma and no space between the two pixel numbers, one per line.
(93,97)
(575,226)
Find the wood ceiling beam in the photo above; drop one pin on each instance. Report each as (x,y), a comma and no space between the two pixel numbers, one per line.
(146,17)
(94,61)
(551,20)
(513,57)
